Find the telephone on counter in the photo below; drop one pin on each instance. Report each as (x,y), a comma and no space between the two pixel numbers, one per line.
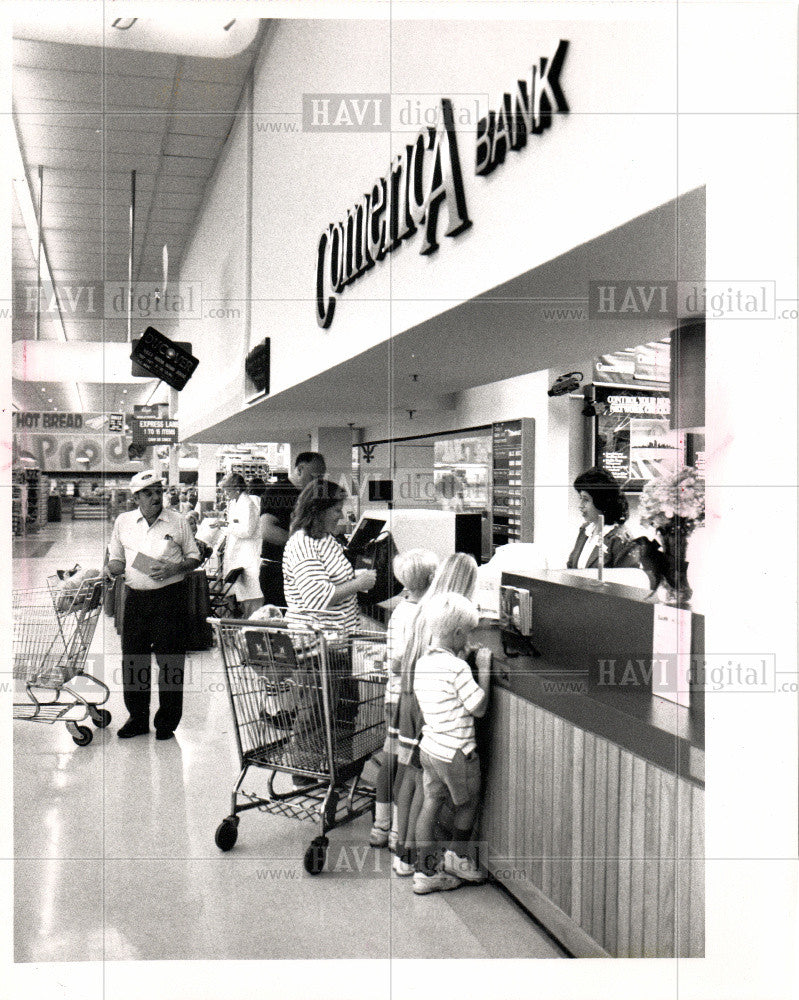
(516,621)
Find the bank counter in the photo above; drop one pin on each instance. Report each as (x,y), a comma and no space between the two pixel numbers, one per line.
(593,808)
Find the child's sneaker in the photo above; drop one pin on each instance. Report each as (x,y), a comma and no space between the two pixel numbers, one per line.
(439,882)
(463,868)
(402,868)
(378,837)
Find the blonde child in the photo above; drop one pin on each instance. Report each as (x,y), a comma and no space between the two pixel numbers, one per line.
(414,569)
(449,699)
(457,574)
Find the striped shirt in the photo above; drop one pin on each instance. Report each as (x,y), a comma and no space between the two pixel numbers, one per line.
(448,696)
(312,569)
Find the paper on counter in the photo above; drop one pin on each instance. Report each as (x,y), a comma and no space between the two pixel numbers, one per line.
(671,653)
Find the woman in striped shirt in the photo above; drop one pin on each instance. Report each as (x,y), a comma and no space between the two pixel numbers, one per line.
(319,582)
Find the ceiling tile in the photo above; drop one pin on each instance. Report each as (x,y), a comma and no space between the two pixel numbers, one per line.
(216,125)
(153,93)
(128,62)
(51,55)
(63,86)
(56,157)
(192,145)
(207,97)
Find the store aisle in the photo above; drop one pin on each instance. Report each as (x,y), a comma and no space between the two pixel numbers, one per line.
(115,854)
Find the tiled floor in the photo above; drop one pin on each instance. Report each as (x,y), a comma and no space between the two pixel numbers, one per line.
(115,854)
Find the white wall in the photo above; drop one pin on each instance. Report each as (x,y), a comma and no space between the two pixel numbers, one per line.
(588,173)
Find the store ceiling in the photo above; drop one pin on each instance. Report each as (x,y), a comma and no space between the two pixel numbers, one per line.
(90,115)
(497,335)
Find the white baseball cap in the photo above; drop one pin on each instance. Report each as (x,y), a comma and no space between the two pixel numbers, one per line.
(144,479)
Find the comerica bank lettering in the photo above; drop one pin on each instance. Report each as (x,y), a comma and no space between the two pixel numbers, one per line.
(425,176)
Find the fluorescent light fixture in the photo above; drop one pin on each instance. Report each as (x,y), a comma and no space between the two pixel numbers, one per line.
(206,34)
(24,196)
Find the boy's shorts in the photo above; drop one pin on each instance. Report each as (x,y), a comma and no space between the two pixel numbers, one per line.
(460,776)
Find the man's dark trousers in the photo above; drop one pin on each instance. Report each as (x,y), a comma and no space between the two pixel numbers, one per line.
(154,621)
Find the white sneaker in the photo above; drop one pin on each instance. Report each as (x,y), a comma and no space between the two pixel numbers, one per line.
(440,882)
(401,868)
(463,868)
(378,837)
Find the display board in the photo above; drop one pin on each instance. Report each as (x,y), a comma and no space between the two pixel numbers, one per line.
(512,471)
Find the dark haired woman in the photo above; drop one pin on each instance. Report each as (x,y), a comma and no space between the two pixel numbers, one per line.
(600,496)
(319,582)
(320,586)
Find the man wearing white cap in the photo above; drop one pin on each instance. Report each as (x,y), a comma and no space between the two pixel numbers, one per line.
(155,549)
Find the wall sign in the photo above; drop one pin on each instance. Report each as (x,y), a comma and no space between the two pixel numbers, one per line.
(421,177)
(427,175)
(153,430)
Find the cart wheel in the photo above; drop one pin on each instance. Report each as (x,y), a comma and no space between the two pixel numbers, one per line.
(226,834)
(101,717)
(314,860)
(82,736)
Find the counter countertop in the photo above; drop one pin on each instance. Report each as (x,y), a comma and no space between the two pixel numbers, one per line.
(660,731)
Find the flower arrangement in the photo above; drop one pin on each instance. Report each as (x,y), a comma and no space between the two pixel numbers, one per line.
(674,505)
(679,495)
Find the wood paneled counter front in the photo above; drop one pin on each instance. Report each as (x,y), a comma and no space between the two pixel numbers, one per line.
(593,813)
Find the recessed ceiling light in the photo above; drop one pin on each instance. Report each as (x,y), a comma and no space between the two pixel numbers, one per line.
(124,392)
(43,389)
(49,401)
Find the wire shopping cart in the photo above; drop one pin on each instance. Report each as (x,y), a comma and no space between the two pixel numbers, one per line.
(52,632)
(306,703)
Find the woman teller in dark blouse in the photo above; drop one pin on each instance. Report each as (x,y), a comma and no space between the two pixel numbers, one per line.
(600,495)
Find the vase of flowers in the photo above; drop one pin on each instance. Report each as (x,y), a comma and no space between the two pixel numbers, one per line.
(673,505)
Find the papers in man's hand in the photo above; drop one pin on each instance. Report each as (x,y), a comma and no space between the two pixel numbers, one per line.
(145,564)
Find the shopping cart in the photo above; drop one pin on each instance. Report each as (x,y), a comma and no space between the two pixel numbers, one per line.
(305,703)
(52,632)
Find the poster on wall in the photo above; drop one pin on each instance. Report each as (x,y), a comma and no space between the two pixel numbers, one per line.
(633,440)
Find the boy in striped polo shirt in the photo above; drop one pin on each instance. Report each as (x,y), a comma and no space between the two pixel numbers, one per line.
(449,699)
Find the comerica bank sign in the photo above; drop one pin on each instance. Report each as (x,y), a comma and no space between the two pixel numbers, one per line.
(425,176)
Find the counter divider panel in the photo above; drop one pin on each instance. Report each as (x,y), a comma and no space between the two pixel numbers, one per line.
(588,831)
(637,859)
(516,710)
(549,730)
(568,807)
(600,839)
(667,873)
(557,812)
(625,852)
(507,747)
(683,901)
(540,813)
(530,817)
(522,768)
(651,861)
(612,851)
(697,873)
(578,758)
